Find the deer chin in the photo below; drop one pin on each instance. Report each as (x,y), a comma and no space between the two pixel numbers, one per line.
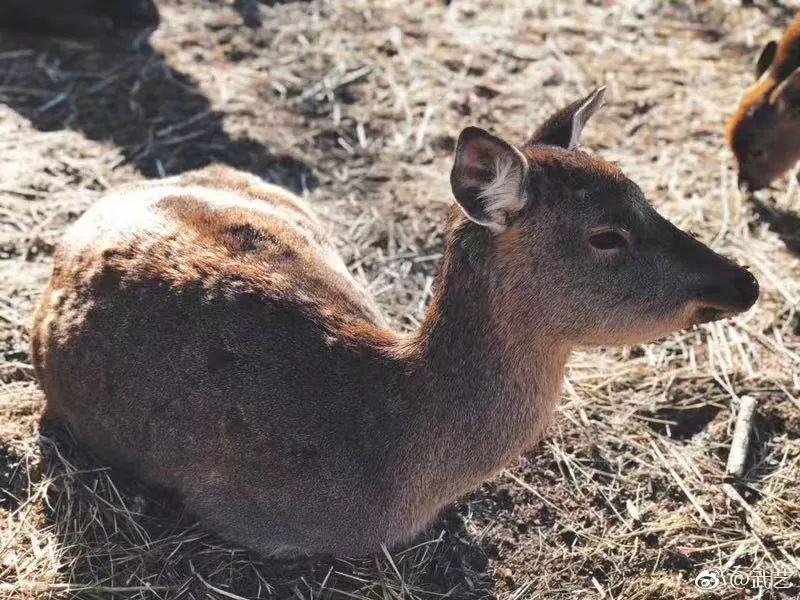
(690,315)
(707,314)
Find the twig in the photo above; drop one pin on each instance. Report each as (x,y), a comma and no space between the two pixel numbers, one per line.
(741,436)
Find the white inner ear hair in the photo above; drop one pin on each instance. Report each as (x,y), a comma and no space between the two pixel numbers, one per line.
(502,194)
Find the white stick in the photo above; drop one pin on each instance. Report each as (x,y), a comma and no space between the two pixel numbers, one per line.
(741,436)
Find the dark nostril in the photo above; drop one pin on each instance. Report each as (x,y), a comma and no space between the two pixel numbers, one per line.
(747,287)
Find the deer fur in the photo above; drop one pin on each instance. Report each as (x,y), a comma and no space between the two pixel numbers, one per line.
(202,333)
(76,17)
(764,132)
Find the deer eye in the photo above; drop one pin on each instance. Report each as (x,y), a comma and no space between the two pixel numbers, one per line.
(608,239)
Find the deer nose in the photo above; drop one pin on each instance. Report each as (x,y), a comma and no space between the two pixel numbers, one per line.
(747,185)
(743,184)
(731,290)
(747,287)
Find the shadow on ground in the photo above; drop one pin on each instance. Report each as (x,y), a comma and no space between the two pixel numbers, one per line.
(785,223)
(13,490)
(119,89)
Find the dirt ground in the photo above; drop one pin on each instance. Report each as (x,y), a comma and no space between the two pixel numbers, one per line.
(357,105)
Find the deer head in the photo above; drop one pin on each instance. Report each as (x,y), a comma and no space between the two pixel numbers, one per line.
(575,248)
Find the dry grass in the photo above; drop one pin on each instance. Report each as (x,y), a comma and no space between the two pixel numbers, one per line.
(357,104)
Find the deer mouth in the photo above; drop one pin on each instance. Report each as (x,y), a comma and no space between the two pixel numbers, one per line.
(707,314)
(726,294)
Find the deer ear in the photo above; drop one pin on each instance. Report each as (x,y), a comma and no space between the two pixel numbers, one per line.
(488,178)
(765,58)
(786,97)
(564,127)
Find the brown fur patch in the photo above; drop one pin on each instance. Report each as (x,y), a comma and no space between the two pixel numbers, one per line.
(787,55)
(547,156)
(221,177)
(239,230)
(262,255)
(753,96)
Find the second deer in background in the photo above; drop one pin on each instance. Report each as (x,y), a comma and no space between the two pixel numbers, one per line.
(764,133)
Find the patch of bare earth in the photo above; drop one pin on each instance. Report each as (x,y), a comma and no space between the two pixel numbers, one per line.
(357,104)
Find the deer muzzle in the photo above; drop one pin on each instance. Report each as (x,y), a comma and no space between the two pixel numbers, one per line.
(727,292)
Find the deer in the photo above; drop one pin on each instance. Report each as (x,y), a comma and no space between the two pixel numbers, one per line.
(764,131)
(202,334)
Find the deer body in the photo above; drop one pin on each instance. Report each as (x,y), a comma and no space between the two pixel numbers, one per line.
(202,333)
(294,377)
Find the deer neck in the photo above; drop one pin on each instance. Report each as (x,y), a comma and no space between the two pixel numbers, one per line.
(489,383)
